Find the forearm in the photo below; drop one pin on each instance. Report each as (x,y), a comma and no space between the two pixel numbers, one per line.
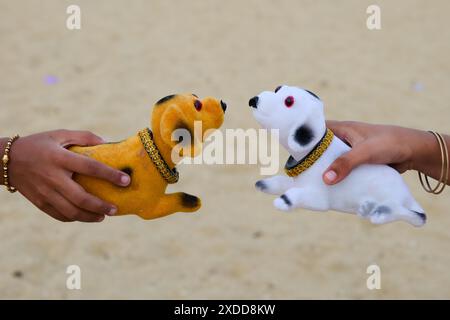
(3,142)
(427,154)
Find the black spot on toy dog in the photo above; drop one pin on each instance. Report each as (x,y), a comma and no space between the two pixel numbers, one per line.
(165,99)
(303,135)
(383,210)
(422,216)
(189,201)
(286,200)
(127,170)
(181,139)
(260,185)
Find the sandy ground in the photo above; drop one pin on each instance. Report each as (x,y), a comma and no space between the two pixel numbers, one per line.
(128,54)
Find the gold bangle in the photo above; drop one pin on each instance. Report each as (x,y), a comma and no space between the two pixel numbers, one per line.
(443,179)
(447,164)
(6,159)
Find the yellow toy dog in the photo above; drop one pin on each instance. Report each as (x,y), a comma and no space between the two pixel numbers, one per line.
(147,158)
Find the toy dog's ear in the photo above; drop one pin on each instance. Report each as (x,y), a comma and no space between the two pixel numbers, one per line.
(176,132)
(170,121)
(313,94)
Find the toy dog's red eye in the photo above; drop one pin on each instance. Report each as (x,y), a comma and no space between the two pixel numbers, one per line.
(289,101)
(198,105)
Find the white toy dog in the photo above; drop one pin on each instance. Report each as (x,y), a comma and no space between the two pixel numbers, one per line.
(375,192)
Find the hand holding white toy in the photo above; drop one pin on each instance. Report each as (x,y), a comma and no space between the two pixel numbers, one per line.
(374,192)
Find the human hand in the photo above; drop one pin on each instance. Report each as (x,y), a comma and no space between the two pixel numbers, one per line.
(41,168)
(401,148)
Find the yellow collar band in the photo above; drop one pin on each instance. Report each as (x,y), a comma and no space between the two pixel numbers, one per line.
(293,168)
(170,175)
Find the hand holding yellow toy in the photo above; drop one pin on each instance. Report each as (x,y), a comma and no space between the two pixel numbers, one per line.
(147,158)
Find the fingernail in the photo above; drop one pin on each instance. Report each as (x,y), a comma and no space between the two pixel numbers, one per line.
(112,211)
(331,176)
(125,180)
(101,219)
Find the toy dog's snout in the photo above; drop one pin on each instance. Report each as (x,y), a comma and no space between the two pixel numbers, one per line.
(253,102)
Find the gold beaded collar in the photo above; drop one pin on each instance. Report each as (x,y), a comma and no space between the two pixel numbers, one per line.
(170,175)
(294,168)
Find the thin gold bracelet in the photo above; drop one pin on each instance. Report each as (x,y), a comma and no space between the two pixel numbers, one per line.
(6,159)
(443,179)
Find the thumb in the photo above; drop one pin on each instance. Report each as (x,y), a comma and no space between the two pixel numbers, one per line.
(343,165)
(80,138)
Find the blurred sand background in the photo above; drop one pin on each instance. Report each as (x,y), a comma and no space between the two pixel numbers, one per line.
(128,54)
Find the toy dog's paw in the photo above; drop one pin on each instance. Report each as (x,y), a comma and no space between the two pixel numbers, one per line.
(261,185)
(283,203)
(274,185)
(366,209)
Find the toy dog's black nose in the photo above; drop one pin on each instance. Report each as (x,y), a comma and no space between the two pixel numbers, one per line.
(223,105)
(253,102)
